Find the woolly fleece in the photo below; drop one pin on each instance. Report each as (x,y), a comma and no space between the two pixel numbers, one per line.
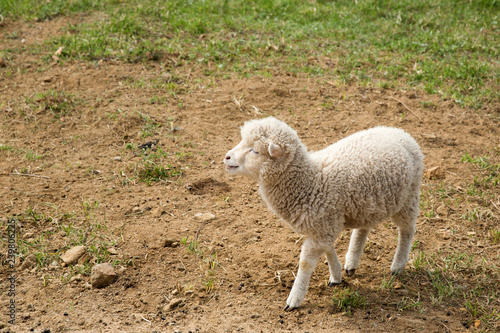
(356,183)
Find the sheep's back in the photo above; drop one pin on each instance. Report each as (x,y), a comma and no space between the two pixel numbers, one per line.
(371,174)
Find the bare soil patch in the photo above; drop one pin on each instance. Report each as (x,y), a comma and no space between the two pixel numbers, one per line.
(84,124)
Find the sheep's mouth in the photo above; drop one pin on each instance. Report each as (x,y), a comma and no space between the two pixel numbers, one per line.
(231,167)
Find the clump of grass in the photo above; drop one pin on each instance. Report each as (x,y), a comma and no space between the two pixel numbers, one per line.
(495,236)
(152,172)
(58,103)
(346,300)
(31,155)
(153,167)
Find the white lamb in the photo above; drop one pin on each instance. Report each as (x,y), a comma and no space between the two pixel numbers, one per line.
(356,183)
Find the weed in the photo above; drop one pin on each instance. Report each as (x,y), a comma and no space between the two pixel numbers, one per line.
(346,300)
(57,103)
(30,155)
(495,235)
(407,303)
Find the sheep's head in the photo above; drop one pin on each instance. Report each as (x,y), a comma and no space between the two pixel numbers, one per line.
(267,147)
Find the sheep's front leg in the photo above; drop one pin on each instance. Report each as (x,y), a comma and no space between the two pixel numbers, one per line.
(308,259)
(355,251)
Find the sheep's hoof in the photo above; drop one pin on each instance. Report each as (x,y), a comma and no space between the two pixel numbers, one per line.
(288,308)
(350,272)
(331,284)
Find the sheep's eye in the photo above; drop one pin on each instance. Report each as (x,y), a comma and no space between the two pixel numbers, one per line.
(253,151)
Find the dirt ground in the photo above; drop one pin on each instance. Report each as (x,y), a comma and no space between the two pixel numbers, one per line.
(240,266)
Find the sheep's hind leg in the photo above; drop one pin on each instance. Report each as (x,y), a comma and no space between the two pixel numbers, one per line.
(309,256)
(406,227)
(355,251)
(334,266)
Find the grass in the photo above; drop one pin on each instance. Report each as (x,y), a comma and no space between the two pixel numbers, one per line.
(346,300)
(447,273)
(48,233)
(442,47)
(57,103)
(152,166)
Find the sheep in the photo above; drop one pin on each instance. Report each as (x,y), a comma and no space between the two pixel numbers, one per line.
(356,183)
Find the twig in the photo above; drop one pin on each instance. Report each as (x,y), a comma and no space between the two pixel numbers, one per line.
(298,240)
(447,328)
(28,175)
(145,319)
(238,103)
(416,115)
(495,205)
(492,247)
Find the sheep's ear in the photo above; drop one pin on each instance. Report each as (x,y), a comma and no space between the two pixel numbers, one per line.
(275,150)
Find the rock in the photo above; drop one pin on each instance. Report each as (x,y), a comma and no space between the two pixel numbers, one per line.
(398,285)
(112,251)
(204,217)
(117,158)
(102,275)
(442,210)
(172,305)
(170,243)
(434,173)
(72,255)
(29,262)
(158,212)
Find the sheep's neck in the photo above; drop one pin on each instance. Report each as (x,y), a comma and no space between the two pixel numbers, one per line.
(291,194)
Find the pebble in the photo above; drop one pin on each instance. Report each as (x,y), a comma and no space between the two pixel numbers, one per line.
(29,262)
(442,211)
(158,212)
(102,275)
(71,256)
(170,243)
(112,251)
(204,217)
(172,304)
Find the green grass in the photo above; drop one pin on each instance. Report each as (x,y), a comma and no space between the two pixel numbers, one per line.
(444,47)
(57,103)
(448,274)
(346,300)
(52,232)
(153,167)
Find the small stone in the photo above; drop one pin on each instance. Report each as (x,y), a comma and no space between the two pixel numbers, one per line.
(434,173)
(172,305)
(442,210)
(175,292)
(29,262)
(397,285)
(170,243)
(158,212)
(204,217)
(47,79)
(112,251)
(118,158)
(102,275)
(72,255)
